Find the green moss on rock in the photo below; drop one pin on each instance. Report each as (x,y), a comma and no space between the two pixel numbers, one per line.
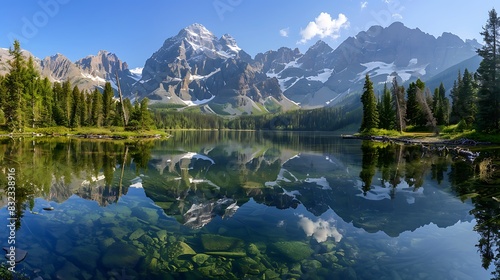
(212,242)
(292,250)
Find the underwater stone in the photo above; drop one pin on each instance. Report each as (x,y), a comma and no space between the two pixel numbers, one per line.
(92,216)
(177,249)
(147,240)
(85,257)
(121,254)
(171,239)
(293,250)
(162,235)
(227,254)
(146,214)
(68,271)
(154,263)
(311,265)
(296,268)
(200,259)
(253,250)
(270,274)
(63,245)
(212,242)
(116,232)
(106,242)
(136,234)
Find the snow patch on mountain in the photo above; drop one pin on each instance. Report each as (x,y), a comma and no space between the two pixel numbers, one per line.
(322,76)
(137,71)
(377,68)
(94,78)
(199,77)
(198,102)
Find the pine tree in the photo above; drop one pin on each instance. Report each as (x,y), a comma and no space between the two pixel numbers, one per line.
(464,96)
(107,101)
(425,118)
(440,105)
(83,112)
(370,113)
(417,104)
(96,108)
(89,107)
(47,103)
(57,110)
(386,112)
(488,74)
(31,94)
(146,120)
(13,103)
(76,108)
(66,101)
(3,94)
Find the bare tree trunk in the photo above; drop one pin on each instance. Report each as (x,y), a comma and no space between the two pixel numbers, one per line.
(124,114)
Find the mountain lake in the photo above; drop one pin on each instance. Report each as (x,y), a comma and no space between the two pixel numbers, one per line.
(248,205)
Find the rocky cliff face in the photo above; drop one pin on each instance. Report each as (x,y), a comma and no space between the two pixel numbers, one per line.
(195,67)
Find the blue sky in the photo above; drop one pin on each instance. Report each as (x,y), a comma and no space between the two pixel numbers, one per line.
(135,29)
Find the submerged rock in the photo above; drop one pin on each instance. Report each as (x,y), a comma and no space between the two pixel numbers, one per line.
(68,271)
(121,254)
(177,249)
(292,250)
(162,235)
(85,257)
(147,214)
(20,254)
(200,259)
(228,254)
(212,242)
(253,250)
(136,234)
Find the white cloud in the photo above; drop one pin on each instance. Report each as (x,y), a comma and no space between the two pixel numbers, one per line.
(364,4)
(284,32)
(397,16)
(320,229)
(324,26)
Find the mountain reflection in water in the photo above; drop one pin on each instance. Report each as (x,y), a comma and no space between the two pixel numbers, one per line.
(275,204)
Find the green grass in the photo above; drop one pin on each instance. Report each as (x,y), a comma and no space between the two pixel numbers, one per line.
(272,106)
(219,109)
(192,109)
(451,132)
(165,106)
(381,132)
(113,131)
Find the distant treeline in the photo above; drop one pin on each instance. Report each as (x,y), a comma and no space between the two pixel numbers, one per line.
(322,119)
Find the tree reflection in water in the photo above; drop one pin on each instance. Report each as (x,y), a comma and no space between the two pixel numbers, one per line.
(478,181)
(97,170)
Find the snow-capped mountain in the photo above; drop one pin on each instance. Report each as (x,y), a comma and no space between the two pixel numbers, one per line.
(323,76)
(197,68)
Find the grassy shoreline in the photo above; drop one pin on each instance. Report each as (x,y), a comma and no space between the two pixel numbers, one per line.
(87,132)
(446,134)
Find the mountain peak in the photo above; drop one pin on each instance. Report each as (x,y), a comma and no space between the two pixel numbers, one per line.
(196,30)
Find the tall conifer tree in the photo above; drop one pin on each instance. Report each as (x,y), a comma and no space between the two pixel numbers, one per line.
(370,112)
(488,72)
(13,103)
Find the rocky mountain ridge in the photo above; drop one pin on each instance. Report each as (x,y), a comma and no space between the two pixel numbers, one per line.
(196,68)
